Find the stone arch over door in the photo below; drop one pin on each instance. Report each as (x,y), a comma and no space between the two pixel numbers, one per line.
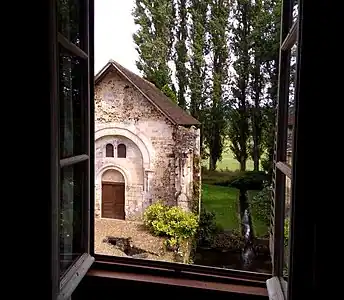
(106,170)
(113,195)
(143,143)
(135,167)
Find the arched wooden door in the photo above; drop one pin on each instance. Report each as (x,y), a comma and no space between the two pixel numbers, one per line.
(113,200)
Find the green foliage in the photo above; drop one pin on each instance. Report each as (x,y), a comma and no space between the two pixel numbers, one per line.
(171,222)
(181,57)
(207,227)
(186,32)
(154,39)
(261,205)
(154,212)
(250,180)
(215,123)
(172,243)
(169,93)
(239,115)
(222,178)
(198,45)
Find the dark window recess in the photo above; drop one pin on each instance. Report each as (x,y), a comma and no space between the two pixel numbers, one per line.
(109,150)
(71,223)
(121,151)
(69,20)
(70,94)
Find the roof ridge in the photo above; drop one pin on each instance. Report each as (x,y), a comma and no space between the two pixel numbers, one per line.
(154,95)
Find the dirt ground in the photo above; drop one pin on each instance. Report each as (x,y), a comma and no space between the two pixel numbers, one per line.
(141,238)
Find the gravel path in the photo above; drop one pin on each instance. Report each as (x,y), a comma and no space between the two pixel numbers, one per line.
(124,229)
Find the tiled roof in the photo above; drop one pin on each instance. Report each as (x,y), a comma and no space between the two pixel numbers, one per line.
(164,104)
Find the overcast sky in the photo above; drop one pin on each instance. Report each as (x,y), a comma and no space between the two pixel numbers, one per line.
(114,27)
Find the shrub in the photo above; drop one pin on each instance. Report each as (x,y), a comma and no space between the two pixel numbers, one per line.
(153,213)
(171,222)
(223,178)
(261,204)
(207,228)
(250,180)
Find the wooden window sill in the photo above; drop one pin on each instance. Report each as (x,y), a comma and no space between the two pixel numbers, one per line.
(181,282)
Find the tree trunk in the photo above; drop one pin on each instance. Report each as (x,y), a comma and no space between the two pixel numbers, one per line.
(255,154)
(256,116)
(243,165)
(212,163)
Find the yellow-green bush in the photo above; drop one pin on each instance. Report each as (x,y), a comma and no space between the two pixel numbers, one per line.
(171,222)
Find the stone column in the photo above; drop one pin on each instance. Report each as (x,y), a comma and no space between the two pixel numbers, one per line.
(147,188)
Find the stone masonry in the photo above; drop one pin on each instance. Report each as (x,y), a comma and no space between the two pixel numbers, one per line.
(161,160)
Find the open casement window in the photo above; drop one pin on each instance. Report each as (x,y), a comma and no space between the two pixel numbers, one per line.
(72,123)
(289,236)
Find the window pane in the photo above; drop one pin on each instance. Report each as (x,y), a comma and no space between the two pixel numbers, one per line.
(295,10)
(70,89)
(121,151)
(109,150)
(69,20)
(291,105)
(290,134)
(286,225)
(72,186)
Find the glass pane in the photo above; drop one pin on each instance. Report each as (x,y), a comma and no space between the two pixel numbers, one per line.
(288,189)
(234,181)
(69,20)
(291,105)
(286,224)
(295,10)
(70,89)
(72,185)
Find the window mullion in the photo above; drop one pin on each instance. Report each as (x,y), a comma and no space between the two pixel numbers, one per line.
(87,130)
(284,168)
(70,47)
(303,218)
(54,150)
(72,146)
(65,162)
(291,37)
(281,141)
(90,48)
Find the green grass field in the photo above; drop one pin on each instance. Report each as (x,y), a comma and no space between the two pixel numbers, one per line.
(228,163)
(223,201)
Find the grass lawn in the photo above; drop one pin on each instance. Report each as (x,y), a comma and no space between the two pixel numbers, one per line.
(223,201)
(259,227)
(229,163)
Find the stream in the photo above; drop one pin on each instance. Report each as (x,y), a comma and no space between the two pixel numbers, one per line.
(247,259)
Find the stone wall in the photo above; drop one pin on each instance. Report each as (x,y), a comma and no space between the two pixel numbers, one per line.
(160,155)
(130,168)
(187,171)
